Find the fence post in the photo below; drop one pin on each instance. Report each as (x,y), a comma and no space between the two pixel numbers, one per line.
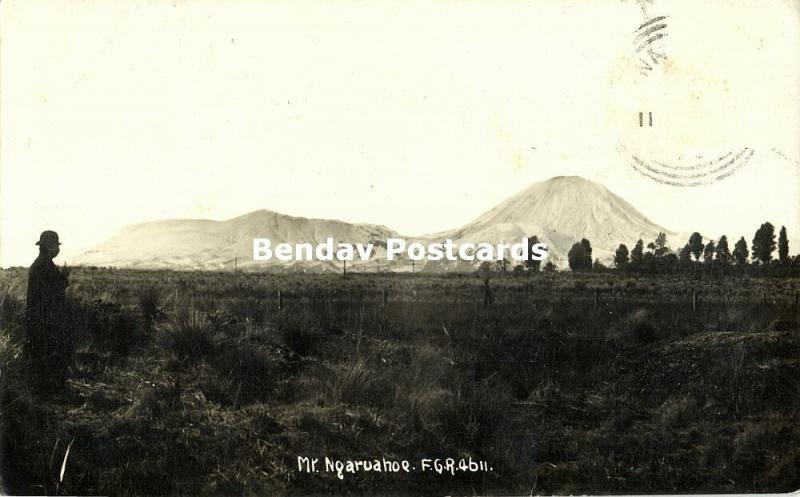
(694,300)
(596,297)
(385,298)
(280,300)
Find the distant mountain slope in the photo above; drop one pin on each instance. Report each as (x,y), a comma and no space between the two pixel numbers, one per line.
(560,211)
(205,244)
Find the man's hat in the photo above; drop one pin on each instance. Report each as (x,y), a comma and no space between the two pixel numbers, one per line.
(48,238)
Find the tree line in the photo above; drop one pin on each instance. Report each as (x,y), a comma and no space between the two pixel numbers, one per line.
(714,257)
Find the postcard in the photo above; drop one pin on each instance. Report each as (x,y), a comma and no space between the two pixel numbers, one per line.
(384,248)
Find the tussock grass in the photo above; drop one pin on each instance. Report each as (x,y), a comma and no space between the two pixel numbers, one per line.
(150,300)
(111,327)
(187,335)
(301,326)
(249,372)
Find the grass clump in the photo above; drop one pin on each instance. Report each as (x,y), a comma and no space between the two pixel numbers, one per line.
(111,327)
(301,328)
(150,299)
(188,336)
(246,374)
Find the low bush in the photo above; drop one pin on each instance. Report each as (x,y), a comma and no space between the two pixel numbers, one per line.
(188,336)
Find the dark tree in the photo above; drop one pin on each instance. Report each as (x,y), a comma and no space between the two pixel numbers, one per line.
(723,252)
(587,246)
(621,257)
(740,252)
(530,263)
(685,255)
(549,267)
(649,262)
(783,246)
(598,267)
(637,254)
(579,259)
(696,245)
(764,243)
(660,245)
(486,267)
(708,252)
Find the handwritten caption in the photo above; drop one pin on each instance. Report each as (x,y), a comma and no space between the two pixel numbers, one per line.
(344,467)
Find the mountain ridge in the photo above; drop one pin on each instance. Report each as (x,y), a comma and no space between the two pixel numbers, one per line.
(560,211)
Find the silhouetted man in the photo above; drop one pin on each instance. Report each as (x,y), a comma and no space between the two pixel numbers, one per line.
(47,343)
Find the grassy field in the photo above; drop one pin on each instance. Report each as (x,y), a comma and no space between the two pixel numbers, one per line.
(214,383)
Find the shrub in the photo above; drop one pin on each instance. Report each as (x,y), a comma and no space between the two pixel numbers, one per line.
(300,328)
(359,384)
(111,327)
(150,299)
(188,336)
(246,374)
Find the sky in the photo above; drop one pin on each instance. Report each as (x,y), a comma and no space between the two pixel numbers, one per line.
(417,115)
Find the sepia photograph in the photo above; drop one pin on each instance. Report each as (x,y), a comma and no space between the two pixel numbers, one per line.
(393,248)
